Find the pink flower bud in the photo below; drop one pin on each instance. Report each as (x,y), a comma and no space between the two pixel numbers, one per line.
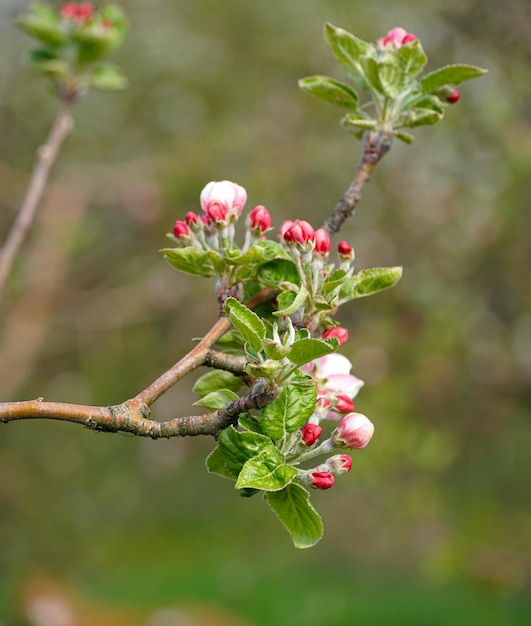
(299,232)
(337,332)
(343,403)
(226,194)
(322,242)
(191,218)
(180,229)
(216,211)
(396,38)
(206,220)
(340,464)
(322,480)
(259,219)
(286,225)
(311,433)
(345,250)
(354,431)
(79,12)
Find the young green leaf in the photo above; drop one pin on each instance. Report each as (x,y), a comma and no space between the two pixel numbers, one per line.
(189,260)
(215,464)
(307,350)
(367,282)
(246,322)
(404,136)
(289,411)
(419,117)
(348,50)
(278,271)
(216,399)
(252,255)
(299,300)
(267,470)
(330,90)
(216,380)
(412,58)
(450,75)
(238,447)
(108,77)
(293,508)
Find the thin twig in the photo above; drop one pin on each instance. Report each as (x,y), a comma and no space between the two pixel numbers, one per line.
(46,157)
(376,144)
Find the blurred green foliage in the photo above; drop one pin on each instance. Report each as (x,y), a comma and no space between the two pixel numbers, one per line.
(433,521)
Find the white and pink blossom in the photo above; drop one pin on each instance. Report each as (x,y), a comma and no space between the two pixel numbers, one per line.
(223,200)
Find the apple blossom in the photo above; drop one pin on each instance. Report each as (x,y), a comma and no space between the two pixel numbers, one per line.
(322,242)
(396,38)
(353,431)
(259,220)
(223,197)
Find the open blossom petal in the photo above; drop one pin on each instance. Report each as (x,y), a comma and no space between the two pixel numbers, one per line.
(225,193)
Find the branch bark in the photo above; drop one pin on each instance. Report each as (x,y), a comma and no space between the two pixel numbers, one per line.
(376,144)
(46,157)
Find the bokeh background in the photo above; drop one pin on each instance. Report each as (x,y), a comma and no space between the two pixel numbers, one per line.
(432,526)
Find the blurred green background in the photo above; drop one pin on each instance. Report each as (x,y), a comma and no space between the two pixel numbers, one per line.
(432,526)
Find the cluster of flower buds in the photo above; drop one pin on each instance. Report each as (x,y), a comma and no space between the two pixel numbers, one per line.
(336,388)
(222,203)
(77,12)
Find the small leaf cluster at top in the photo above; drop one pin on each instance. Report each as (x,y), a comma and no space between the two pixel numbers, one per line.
(389,72)
(74,42)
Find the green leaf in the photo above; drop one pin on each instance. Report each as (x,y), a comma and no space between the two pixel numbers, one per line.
(275,350)
(216,380)
(307,350)
(367,282)
(404,136)
(113,14)
(274,272)
(267,470)
(391,77)
(252,255)
(246,322)
(450,74)
(412,58)
(216,399)
(272,250)
(215,464)
(330,90)
(189,260)
(348,50)
(292,507)
(419,117)
(371,71)
(333,281)
(358,121)
(250,422)
(217,262)
(108,77)
(299,300)
(238,447)
(43,23)
(289,411)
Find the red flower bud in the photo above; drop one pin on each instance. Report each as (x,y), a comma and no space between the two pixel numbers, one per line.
(284,227)
(206,220)
(299,232)
(396,38)
(259,219)
(322,480)
(340,464)
(338,332)
(322,242)
(216,211)
(354,431)
(80,12)
(343,403)
(345,250)
(180,229)
(191,218)
(311,433)
(452,96)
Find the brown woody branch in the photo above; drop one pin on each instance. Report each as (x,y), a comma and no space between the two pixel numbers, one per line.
(376,144)
(46,157)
